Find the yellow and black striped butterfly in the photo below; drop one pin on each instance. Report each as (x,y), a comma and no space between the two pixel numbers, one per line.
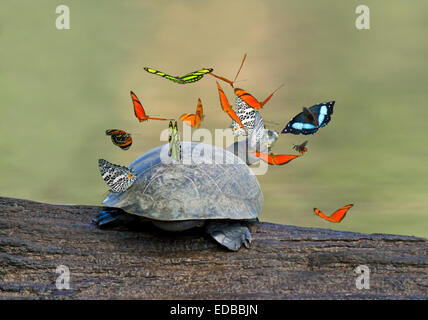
(188,78)
(120,138)
(174,142)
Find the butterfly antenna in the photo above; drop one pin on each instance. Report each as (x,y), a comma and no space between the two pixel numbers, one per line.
(240,67)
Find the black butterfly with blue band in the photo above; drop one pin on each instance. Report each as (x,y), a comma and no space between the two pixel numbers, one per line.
(310,119)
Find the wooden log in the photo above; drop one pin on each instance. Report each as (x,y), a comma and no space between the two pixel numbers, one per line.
(284,262)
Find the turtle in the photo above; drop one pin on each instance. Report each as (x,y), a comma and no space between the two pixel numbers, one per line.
(209,187)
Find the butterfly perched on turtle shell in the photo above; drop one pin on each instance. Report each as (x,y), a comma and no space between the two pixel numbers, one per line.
(188,78)
(139,110)
(120,138)
(194,119)
(118,178)
(337,216)
(310,119)
(174,142)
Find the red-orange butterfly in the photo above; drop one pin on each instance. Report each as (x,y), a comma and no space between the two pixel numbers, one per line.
(194,119)
(301,147)
(275,159)
(139,110)
(336,216)
(120,138)
(227,108)
(244,95)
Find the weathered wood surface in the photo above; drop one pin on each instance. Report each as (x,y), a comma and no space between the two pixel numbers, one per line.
(284,262)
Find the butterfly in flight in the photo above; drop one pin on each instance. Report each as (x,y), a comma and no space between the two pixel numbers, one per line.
(188,78)
(244,95)
(337,216)
(275,159)
(117,177)
(227,108)
(120,138)
(194,119)
(174,142)
(301,147)
(139,110)
(310,119)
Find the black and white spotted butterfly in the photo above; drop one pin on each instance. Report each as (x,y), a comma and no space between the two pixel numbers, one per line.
(117,177)
(246,114)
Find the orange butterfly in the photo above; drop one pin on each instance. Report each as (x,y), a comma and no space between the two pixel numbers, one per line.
(336,216)
(139,110)
(275,159)
(244,95)
(194,119)
(227,108)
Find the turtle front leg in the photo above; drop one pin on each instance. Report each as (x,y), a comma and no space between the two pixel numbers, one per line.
(232,235)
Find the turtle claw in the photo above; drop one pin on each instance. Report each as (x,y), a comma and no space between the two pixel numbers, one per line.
(230,235)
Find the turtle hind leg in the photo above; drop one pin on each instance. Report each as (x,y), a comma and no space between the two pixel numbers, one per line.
(232,235)
(109,217)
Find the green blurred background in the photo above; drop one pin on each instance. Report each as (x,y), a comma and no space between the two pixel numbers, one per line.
(61,89)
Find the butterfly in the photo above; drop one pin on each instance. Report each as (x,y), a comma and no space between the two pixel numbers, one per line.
(301,147)
(227,108)
(336,216)
(311,119)
(275,159)
(174,142)
(244,95)
(188,78)
(120,138)
(117,177)
(139,110)
(192,119)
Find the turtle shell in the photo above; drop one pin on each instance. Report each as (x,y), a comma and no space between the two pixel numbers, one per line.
(209,183)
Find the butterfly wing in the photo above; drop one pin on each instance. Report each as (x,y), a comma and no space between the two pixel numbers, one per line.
(258,138)
(270,96)
(164,75)
(174,142)
(279,159)
(199,113)
(246,114)
(120,138)
(337,216)
(227,108)
(118,178)
(195,76)
(324,112)
(301,125)
(322,215)
(190,118)
(248,98)
(138,108)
